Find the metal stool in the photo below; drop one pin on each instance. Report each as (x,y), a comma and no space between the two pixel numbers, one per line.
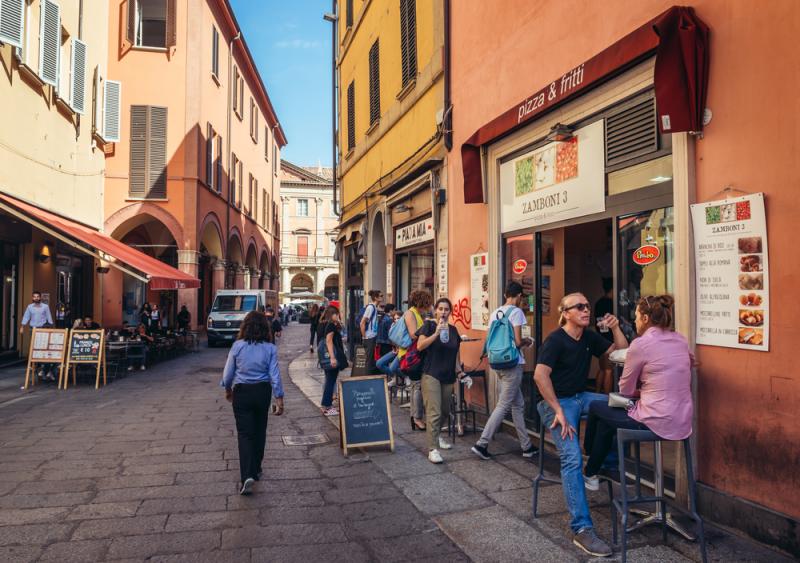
(660,516)
(541,477)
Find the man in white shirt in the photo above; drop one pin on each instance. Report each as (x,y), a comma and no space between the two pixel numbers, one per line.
(37,315)
(369,328)
(510,380)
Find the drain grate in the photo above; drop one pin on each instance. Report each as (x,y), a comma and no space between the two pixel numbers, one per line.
(307,440)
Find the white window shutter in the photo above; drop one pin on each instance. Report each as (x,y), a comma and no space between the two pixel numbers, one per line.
(112,98)
(97,99)
(50,43)
(12,22)
(77,90)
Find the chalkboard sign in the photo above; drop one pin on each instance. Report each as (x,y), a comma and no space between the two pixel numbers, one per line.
(86,347)
(48,346)
(364,412)
(360,362)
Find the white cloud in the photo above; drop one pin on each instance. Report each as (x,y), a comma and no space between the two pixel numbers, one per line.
(298,44)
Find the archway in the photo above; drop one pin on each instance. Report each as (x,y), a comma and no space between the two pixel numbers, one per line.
(332,287)
(251,261)
(234,256)
(377,258)
(301,282)
(264,266)
(211,250)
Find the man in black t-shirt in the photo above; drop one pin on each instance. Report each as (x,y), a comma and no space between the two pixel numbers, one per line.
(562,372)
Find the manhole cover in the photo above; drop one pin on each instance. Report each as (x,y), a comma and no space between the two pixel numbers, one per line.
(308,440)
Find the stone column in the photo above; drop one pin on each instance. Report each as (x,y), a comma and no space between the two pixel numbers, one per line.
(189,262)
(242,272)
(285,224)
(255,278)
(286,281)
(218,276)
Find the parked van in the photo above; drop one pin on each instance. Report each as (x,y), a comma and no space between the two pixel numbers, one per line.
(229,309)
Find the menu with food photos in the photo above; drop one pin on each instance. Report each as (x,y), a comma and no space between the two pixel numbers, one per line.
(731,259)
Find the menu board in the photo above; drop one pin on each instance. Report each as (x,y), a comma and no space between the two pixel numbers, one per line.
(365,414)
(48,344)
(479,290)
(85,346)
(731,257)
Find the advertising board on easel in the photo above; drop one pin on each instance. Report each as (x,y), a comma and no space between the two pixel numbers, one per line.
(85,347)
(48,346)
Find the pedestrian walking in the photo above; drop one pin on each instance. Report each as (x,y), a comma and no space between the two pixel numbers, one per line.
(420,301)
(441,366)
(275,324)
(509,380)
(37,315)
(333,341)
(561,374)
(251,379)
(313,315)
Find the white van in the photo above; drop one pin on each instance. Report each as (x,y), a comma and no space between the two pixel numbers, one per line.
(229,309)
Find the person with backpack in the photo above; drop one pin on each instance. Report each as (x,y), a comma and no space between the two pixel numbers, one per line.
(388,364)
(336,357)
(562,373)
(368,325)
(409,356)
(503,346)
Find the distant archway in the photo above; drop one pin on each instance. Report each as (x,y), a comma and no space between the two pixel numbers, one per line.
(377,258)
(301,282)
(331,290)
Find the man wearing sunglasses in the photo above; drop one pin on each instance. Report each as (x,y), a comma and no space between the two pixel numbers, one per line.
(562,374)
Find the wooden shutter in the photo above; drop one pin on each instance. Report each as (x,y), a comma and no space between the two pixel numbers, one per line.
(408,39)
(240,174)
(218,166)
(264,209)
(266,143)
(232,182)
(250,188)
(235,88)
(171,17)
(302,246)
(157,153)
(374,84)
(12,22)
(351,116)
(50,43)
(254,209)
(112,98)
(130,30)
(77,89)
(214,51)
(209,155)
(349,13)
(138,163)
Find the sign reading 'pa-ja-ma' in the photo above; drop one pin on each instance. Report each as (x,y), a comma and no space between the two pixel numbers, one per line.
(414,233)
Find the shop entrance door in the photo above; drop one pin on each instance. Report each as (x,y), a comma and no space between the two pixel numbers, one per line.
(9,253)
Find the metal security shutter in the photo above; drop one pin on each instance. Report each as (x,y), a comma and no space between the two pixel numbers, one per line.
(171,29)
(138,164)
(112,98)
(408,39)
(50,43)
(157,153)
(78,76)
(351,116)
(374,83)
(12,22)
(632,132)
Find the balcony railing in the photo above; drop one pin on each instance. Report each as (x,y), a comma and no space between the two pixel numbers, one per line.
(294,260)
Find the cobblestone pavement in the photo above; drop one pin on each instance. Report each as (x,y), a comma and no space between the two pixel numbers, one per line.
(146,469)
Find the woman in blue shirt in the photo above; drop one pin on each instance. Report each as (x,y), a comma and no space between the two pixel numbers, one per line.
(250,379)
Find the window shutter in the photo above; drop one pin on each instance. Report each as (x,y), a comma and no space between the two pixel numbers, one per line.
(232,182)
(266,143)
(374,84)
(408,39)
(351,116)
(112,98)
(209,155)
(349,14)
(215,51)
(171,32)
(50,43)
(218,182)
(12,22)
(130,31)
(157,153)
(138,163)
(240,199)
(632,132)
(78,77)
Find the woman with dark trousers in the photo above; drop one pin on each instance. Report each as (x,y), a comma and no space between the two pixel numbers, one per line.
(333,341)
(313,314)
(251,378)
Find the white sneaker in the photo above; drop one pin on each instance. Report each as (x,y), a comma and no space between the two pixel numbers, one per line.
(391,383)
(130,368)
(444,444)
(143,367)
(435,457)
(332,411)
(592,483)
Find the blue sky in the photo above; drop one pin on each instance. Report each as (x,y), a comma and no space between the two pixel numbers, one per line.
(291,44)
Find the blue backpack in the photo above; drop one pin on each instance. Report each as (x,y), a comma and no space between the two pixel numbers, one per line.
(501,345)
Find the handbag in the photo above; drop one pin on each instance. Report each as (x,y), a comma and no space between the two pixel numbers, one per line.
(322,354)
(619,401)
(411,362)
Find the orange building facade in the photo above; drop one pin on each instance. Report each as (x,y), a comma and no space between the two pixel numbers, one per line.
(525,82)
(193,180)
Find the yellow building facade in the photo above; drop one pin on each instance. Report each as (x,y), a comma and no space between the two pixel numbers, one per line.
(391,109)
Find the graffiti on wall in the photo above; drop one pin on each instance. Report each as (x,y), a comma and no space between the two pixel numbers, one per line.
(462,313)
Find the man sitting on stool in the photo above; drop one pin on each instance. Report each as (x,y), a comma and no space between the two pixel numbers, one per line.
(562,373)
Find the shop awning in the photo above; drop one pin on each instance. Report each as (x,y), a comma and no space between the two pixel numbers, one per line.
(117,254)
(679,40)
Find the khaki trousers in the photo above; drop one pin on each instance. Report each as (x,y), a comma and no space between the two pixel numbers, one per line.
(436,396)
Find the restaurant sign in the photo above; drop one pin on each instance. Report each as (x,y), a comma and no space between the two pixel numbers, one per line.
(732,263)
(558,181)
(414,233)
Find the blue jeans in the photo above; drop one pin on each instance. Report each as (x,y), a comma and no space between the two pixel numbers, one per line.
(389,364)
(569,451)
(327,389)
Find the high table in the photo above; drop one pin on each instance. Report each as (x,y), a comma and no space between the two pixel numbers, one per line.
(657,517)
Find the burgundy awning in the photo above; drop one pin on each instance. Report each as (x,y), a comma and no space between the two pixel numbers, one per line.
(677,37)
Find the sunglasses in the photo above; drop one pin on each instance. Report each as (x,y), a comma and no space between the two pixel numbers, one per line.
(579,306)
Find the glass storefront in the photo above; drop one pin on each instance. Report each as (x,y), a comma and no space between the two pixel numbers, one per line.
(414,270)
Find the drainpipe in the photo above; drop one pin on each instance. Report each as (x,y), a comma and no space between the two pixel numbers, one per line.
(228,133)
(333,18)
(448,113)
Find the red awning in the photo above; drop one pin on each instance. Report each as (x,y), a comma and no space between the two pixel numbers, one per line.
(158,274)
(677,37)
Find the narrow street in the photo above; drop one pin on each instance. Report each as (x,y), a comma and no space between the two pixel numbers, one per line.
(146,469)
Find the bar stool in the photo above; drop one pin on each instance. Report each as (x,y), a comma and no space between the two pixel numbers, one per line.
(542,478)
(660,516)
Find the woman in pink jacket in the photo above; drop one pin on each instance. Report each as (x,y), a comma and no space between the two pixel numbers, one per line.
(658,370)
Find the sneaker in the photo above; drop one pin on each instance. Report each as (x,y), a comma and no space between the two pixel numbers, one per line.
(481,451)
(592,483)
(405,406)
(332,411)
(588,541)
(50,376)
(530,452)
(435,457)
(130,368)
(443,444)
(391,383)
(247,486)
(143,367)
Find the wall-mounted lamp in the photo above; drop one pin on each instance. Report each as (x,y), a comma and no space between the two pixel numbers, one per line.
(560,133)
(102,269)
(403,208)
(44,254)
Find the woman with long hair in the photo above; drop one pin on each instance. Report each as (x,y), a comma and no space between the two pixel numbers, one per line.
(332,332)
(251,378)
(313,315)
(440,368)
(420,302)
(145,316)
